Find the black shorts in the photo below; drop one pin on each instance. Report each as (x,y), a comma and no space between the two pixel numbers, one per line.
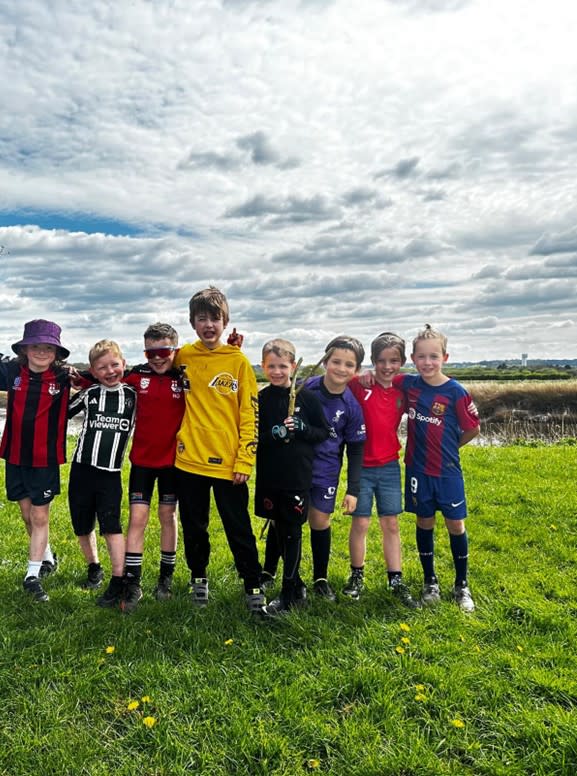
(94,494)
(289,506)
(38,483)
(141,484)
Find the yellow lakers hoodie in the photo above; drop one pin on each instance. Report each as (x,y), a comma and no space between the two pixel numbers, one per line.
(219,430)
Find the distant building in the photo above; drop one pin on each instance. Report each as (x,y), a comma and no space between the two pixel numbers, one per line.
(524,357)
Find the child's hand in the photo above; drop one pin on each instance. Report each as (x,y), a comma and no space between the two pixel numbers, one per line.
(236,339)
(295,425)
(367,379)
(349,504)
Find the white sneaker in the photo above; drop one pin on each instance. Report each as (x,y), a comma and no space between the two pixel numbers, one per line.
(463,598)
(431,594)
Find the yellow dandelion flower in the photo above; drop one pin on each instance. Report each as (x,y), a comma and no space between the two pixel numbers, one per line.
(149,722)
(133,705)
(146,699)
(400,650)
(110,650)
(313,763)
(519,648)
(458,723)
(404,627)
(553,527)
(420,697)
(406,640)
(228,642)
(420,687)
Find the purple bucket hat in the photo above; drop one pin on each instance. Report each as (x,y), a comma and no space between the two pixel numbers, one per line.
(41,332)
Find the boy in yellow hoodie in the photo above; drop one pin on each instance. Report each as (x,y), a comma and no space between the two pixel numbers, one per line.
(216,447)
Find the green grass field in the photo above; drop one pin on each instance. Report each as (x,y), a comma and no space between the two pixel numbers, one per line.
(357,689)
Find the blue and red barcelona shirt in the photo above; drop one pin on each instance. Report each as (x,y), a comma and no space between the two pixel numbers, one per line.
(437,417)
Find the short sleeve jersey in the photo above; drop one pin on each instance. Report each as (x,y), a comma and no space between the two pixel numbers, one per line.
(159,412)
(108,421)
(383,409)
(437,417)
(36,415)
(347,425)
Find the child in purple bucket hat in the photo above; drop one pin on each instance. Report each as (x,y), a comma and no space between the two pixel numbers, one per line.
(33,443)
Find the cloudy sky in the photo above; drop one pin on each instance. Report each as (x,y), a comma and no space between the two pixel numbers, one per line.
(333,166)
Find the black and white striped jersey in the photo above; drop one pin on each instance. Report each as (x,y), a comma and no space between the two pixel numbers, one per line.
(108,421)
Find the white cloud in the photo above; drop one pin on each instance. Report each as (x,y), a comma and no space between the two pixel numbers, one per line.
(333,166)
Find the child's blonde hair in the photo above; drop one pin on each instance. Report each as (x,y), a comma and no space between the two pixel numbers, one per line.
(101,348)
(385,340)
(281,348)
(210,301)
(344,342)
(429,333)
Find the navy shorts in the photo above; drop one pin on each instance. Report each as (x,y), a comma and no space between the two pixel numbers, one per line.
(142,480)
(287,505)
(383,484)
(94,494)
(323,498)
(425,495)
(38,483)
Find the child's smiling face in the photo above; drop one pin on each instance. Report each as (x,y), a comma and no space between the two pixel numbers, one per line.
(40,357)
(278,370)
(160,354)
(387,365)
(108,369)
(428,357)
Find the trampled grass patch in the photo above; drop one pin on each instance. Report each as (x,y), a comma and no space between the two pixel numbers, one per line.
(360,688)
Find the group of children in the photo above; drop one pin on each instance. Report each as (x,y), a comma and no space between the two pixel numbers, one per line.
(200,424)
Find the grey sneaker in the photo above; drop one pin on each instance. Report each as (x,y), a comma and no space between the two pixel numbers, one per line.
(163,589)
(402,593)
(256,601)
(48,566)
(463,598)
(199,590)
(355,585)
(431,593)
(322,589)
(33,587)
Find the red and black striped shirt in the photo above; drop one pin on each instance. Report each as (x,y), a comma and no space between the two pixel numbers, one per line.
(36,415)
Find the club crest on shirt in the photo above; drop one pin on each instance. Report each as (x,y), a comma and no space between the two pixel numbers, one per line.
(144,382)
(438,408)
(224,383)
(175,388)
(53,389)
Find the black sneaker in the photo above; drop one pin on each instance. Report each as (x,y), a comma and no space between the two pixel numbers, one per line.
(324,590)
(431,594)
(266,580)
(111,597)
(163,589)
(94,577)
(279,607)
(48,566)
(199,591)
(33,587)
(131,597)
(402,593)
(355,585)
